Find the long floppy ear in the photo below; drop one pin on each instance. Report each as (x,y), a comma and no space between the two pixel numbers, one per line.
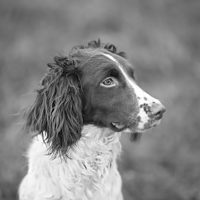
(57,111)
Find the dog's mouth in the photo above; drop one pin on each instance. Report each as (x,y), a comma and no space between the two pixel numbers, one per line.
(133,129)
(120,126)
(126,128)
(117,126)
(135,134)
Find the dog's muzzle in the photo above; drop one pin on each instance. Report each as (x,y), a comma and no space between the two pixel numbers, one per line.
(157,111)
(150,115)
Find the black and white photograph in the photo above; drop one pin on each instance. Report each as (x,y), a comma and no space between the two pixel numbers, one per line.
(99,100)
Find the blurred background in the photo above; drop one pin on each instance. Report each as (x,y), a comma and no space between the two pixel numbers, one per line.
(162,40)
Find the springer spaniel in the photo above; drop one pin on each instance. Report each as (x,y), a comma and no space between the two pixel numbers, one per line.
(87,100)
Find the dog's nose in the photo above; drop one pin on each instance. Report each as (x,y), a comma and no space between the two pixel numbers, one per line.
(157,110)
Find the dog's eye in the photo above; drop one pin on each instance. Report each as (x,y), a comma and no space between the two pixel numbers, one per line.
(109,82)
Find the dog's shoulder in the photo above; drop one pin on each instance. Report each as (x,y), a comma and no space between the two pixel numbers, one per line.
(38,183)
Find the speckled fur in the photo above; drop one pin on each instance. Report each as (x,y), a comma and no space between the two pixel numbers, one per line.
(90,172)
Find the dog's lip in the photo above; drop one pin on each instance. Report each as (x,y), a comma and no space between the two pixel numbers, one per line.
(133,129)
(137,133)
(118,126)
(124,127)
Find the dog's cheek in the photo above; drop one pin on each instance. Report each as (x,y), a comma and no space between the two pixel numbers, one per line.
(142,119)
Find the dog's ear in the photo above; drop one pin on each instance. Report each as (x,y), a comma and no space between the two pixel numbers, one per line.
(57,111)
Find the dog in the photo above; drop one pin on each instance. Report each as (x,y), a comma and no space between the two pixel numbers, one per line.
(86,101)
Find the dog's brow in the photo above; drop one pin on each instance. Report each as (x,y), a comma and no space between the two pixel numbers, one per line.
(120,68)
(111,58)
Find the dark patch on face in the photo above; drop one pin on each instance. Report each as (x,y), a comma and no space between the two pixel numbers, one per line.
(146,108)
(112,71)
(102,106)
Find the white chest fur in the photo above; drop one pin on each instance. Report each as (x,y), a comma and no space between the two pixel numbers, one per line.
(90,172)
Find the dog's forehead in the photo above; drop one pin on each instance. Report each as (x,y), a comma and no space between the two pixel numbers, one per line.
(102,60)
(118,60)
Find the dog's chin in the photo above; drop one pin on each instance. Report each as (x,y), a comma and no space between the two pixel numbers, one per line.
(123,128)
(135,134)
(134,131)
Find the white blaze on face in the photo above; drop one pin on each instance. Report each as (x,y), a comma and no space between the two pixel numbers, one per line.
(144,100)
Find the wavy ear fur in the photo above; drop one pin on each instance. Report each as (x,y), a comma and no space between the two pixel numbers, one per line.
(57,111)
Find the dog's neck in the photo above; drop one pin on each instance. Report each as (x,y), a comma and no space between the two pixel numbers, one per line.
(91,163)
(95,140)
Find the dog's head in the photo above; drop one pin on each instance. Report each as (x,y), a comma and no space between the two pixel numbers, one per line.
(95,84)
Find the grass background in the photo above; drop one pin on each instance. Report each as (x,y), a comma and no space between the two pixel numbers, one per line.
(161,38)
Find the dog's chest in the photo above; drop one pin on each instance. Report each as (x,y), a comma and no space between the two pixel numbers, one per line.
(94,171)
(90,172)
